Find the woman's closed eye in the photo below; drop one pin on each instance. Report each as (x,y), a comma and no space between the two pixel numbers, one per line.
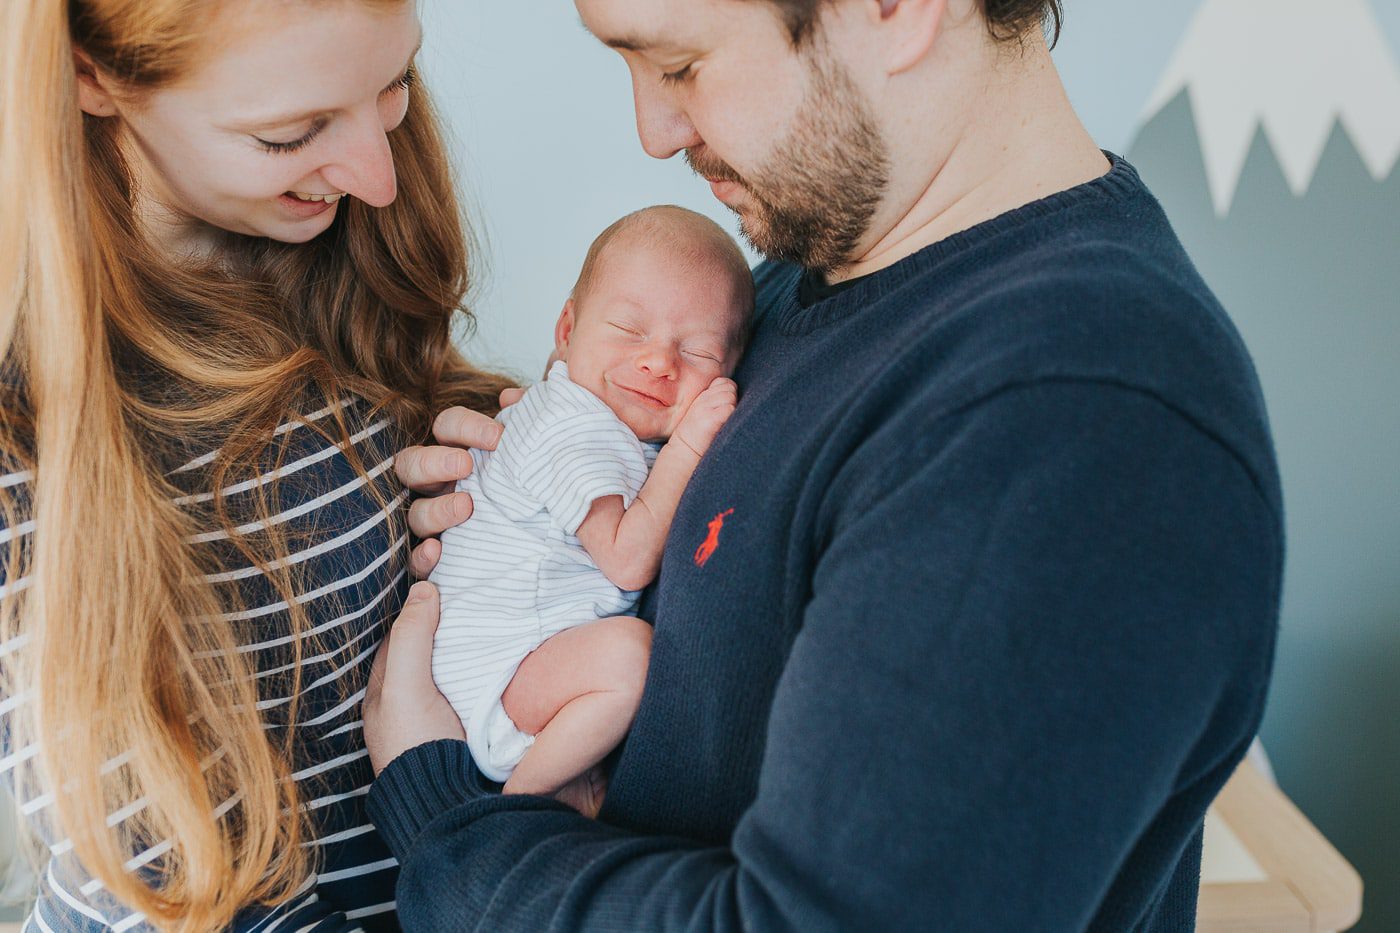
(294,144)
(403,83)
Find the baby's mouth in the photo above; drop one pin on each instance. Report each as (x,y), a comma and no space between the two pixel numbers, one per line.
(645,396)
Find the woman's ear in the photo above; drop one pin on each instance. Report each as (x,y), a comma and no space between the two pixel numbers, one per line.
(93,95)
(564,329)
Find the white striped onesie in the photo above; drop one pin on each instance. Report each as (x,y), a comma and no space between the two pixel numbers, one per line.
(515,573)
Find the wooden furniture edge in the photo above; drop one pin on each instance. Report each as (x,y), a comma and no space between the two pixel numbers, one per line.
(1290,849)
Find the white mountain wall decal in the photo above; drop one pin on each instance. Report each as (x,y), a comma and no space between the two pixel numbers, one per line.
(1294,67)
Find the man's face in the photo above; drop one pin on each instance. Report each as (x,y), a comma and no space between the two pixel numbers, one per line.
(652,332)
(784,136)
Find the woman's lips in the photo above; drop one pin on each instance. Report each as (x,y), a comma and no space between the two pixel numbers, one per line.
(302,208)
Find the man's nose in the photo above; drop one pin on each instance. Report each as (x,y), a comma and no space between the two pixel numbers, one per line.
(365,168)
(663,128)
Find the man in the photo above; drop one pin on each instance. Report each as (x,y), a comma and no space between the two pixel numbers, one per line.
(988,614)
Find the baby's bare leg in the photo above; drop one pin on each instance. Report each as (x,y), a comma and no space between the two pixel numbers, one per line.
(577,694)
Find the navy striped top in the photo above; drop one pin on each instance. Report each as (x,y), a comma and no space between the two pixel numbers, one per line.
(352,556)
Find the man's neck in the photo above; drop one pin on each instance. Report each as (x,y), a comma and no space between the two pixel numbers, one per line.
(1023,143)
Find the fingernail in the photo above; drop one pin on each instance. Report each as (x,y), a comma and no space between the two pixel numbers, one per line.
(418,592)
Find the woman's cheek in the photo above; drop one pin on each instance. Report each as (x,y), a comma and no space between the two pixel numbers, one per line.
(393,110)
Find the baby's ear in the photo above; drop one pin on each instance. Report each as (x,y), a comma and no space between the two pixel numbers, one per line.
(564,329)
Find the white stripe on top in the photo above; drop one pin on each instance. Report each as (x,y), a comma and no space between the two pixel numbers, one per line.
(353,554)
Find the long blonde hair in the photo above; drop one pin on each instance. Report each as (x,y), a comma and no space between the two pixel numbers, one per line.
(111,357)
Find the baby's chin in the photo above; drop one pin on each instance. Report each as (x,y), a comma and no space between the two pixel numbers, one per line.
(649,430)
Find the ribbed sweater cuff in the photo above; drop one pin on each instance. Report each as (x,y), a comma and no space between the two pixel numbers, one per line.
(419,786)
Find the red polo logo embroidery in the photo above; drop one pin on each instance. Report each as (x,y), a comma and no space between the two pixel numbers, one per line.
(703,552)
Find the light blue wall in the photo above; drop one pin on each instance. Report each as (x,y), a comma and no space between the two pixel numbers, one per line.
(549,155)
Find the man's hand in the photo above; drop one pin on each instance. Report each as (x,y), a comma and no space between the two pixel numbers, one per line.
(403,707)
(703,419)
(433,471)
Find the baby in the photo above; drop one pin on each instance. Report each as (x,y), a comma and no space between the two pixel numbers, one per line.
(536,650)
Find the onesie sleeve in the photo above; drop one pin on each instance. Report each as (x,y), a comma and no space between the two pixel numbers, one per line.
(571,451)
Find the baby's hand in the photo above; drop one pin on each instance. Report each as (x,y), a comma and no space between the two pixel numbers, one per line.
(705,416)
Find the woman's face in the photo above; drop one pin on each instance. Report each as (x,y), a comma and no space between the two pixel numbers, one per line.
(288,103)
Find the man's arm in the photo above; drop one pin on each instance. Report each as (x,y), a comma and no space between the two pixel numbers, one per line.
(1037,628)
(626,544)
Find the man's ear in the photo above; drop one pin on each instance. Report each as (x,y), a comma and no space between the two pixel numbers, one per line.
(564,329)
(93,95)
(912,25)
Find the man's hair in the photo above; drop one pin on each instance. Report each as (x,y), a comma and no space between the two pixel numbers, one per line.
(1008,20)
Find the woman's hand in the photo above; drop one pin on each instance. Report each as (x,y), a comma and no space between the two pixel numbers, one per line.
(403,707)
(433,472)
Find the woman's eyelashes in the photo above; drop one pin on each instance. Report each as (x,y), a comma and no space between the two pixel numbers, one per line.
(405,82)
(402,84)
(295,144)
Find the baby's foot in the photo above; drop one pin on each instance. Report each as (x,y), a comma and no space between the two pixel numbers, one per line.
(585,793)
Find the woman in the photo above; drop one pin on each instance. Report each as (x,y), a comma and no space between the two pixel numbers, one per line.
(229,258)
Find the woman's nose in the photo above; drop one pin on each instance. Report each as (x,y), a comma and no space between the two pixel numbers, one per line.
(365,167)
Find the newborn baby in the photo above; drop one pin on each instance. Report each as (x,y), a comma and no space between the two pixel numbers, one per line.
(536,650)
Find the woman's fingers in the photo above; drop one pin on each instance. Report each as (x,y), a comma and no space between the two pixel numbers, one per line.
(510,396)
(432,470)
(462,427)
(429,517)
(435,468)
(424,558)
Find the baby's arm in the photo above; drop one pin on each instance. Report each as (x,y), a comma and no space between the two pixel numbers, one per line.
(626,544)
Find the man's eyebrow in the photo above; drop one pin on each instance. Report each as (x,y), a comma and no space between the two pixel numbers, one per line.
(630,42)
(288,119)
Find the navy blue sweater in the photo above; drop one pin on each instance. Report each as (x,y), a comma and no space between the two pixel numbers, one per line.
(964,619)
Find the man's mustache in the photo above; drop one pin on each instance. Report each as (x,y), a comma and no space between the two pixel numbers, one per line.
(713,169)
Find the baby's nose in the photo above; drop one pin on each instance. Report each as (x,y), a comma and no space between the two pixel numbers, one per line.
(658,360)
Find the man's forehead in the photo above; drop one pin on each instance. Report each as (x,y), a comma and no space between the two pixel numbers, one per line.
(646,25)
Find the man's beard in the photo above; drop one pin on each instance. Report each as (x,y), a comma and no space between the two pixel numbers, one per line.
(816,195)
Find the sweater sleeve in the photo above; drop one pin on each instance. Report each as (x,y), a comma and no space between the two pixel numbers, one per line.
(1037,641)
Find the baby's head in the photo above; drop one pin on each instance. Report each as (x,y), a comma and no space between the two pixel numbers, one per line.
(661,308)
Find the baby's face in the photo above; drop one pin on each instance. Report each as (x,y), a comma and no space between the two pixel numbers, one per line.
(650,335)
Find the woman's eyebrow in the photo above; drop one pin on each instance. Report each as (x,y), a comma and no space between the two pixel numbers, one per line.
(288,119)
